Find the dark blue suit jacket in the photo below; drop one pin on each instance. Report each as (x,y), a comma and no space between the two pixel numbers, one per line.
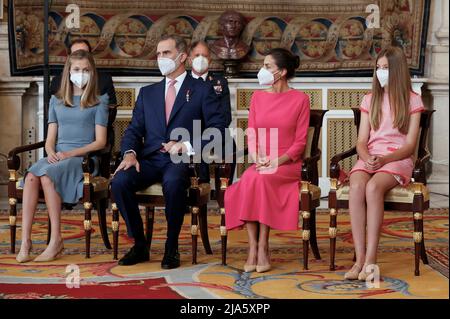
(196,100)
(220,85)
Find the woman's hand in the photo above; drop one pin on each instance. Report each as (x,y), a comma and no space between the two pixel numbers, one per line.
(375,162)
(52,158)
(268,165)
(63,155)
(262,161)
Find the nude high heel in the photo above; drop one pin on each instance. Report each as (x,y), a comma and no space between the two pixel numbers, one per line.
(353,273)
(23,257)
(249,268)
(264,268)
(43,258)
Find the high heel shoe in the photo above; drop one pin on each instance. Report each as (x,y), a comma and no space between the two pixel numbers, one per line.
(42,257)
(263,268)
(353,273)
(23,257)
(249,268)
(364,273)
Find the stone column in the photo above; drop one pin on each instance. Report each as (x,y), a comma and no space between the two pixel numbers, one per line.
(438,87)
(11,105)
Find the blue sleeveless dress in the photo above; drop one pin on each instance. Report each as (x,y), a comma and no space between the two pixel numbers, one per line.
(76,128)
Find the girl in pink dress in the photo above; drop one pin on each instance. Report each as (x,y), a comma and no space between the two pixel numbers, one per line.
(267,194)
(390,118)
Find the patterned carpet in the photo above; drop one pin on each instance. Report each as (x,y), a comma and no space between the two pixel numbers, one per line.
(101,277)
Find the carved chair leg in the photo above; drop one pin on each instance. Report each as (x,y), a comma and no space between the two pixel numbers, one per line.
(115,229)
(223,236)
(150,219)
(203,224)
(194,232)
(305,236)
(305,201)
(12,223)
(418,241)
(333,233)
(313,239)
(423,251)
(101,211)
(87,227)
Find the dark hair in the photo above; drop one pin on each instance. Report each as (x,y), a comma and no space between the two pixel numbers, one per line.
(180,43)
(285,59)
(195,43)
(80,40)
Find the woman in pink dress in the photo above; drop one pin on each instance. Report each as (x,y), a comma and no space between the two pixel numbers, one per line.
(390,118)
(267,194)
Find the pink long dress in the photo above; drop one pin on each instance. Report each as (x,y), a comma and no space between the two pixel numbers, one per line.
(272,197)
(388,139)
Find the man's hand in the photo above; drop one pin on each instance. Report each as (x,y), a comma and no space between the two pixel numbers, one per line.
(168,146)
(178,148)
(128,161)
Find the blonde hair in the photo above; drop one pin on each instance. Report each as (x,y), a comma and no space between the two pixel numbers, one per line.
(90,94)
(399,90)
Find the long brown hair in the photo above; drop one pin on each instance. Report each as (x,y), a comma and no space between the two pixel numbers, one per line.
(399,90)
(90,94)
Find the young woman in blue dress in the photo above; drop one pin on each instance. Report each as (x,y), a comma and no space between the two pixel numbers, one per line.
(77,125)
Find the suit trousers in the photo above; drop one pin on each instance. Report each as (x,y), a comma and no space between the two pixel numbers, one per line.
(157,168)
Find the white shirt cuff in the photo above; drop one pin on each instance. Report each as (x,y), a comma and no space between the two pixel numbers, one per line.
(130,151)
(190,150)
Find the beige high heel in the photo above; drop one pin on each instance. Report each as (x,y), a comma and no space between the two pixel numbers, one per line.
(353,273)
(249,268)
(364,274)
(23,257)
(264,268)
(43,258)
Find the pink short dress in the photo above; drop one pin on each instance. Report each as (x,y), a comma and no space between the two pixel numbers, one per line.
(272,197)
(388,139)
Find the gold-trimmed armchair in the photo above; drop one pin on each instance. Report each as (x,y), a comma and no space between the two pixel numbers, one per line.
(413,198)
(95,188)
(152,197)
(309,190)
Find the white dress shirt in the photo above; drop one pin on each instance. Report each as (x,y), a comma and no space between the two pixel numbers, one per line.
(178,84)
(203,76)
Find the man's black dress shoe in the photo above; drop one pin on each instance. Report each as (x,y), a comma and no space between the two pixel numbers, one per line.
(134,256)
(171,260)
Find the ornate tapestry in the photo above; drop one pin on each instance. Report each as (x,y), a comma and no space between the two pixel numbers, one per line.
(331,37)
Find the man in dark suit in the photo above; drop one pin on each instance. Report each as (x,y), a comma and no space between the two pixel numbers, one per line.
(147,146)
(105,82)
(200,60)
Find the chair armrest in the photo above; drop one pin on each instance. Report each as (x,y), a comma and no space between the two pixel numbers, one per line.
(419,173)
(334,165)
(114,162)
(309,167)
(14,160)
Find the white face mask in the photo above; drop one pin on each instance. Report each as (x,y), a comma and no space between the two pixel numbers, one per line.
(200,64)
(265,77)
(167,65)
(383,77)
(80,79)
